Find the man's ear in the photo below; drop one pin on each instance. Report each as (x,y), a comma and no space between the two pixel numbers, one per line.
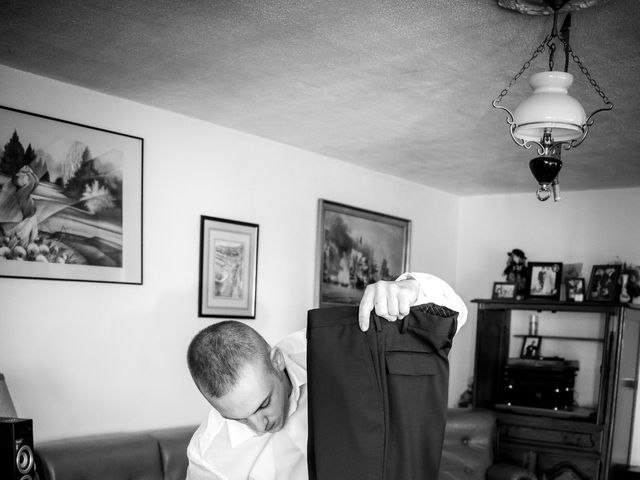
(277,359)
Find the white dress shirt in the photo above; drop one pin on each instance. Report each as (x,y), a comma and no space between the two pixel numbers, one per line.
(223,449)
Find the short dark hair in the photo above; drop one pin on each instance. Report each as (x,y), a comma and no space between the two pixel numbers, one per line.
(218,352)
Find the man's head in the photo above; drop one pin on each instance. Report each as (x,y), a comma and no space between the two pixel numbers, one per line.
(240,375)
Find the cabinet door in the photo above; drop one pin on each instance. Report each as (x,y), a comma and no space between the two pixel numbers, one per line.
(492,344)
(626,387)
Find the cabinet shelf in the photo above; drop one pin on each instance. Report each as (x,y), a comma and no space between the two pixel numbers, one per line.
(573,413)
(558,337)
(547,305)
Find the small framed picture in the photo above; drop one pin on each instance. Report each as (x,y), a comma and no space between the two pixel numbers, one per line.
(603,283)
(228,268)
(531,346)
(503,290)
(575,289)
(544,280)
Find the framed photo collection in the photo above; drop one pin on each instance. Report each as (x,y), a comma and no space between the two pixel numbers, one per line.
(603,283)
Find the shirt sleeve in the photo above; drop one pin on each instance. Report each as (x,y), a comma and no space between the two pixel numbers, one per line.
(435,290)
(199,468)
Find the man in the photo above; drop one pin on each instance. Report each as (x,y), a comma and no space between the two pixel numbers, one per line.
(258,428)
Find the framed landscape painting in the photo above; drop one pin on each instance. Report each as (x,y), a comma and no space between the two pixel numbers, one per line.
(70,200)
(228,268)
(357,247)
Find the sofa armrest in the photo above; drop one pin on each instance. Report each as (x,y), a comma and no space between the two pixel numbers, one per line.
(505,471)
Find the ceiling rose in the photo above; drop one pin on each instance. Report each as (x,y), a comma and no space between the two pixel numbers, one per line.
(542,7)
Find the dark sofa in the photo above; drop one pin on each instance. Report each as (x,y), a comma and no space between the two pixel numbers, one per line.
(161,454)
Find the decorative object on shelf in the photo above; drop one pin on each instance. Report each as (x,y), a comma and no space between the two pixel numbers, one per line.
(603,283)
(356,247)
(632,284)
(550,119)
(575,289)
(624,294)
(516,271)
(531,346)
(503,290)
(544,280)
(533,324)
(7,408)
(70,200)
(228,268)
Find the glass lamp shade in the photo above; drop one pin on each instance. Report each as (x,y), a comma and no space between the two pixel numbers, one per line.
(551,108)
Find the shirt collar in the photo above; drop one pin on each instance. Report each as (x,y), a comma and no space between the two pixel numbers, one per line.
(239,433)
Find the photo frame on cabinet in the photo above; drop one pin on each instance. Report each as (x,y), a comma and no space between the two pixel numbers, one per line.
(531,346)
(575,289)
(544,280)
(603,283)
(228,268)
(503,290)
(70,200)
(356,247)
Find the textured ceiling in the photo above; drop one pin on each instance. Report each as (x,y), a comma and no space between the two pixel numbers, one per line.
(398,86)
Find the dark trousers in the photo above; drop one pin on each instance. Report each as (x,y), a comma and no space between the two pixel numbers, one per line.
(377,399)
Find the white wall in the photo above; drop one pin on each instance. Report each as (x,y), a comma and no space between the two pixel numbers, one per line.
(84,358)
(590,227)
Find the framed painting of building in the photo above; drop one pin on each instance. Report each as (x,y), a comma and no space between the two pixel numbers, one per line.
(357,247)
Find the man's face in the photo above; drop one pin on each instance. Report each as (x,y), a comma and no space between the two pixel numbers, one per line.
(260,398)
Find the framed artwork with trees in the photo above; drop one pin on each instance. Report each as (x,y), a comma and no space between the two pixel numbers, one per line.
(70,200)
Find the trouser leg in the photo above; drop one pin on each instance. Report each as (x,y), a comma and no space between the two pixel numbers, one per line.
(377,400)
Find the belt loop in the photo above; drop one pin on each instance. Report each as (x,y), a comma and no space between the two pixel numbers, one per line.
(376,322)
(405,325)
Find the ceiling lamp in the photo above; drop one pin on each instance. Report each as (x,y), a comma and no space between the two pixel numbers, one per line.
(550,118)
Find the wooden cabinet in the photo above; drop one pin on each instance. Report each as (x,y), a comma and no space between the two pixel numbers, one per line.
(592,438)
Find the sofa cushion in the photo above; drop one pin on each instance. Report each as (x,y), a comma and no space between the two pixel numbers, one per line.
(468,444)
(173,443)
(120,456)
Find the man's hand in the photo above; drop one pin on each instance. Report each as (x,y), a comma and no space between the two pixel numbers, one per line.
(391,300)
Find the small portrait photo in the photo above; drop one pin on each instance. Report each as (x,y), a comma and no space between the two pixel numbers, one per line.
(531,347)
(575,289)
(545,279)
(503,290)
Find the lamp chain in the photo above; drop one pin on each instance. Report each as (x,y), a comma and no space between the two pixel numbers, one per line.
(526,65)
(547,43)
(586,73)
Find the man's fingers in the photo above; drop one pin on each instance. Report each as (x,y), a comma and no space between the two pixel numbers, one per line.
(366,306)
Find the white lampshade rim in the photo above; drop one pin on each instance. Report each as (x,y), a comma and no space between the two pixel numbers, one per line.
(542,125)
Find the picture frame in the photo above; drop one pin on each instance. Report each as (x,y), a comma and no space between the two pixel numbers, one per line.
(356,247)
(70,200)
(531,346)
(603,283)
(503,290)
(575,289)
(544,280)
(228,268)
